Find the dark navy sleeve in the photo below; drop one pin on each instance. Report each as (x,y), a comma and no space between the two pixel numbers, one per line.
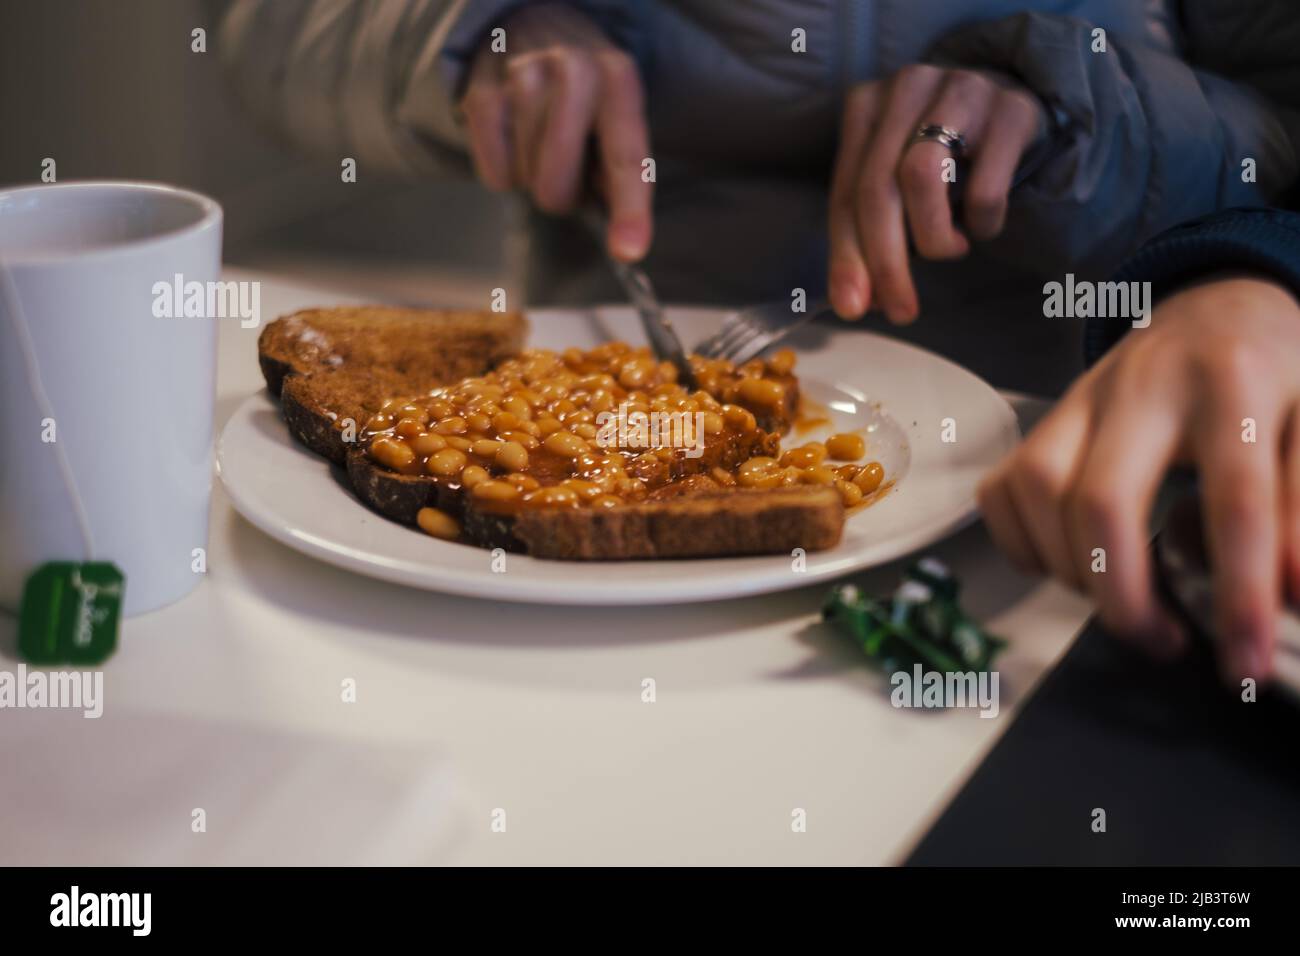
(1261,241)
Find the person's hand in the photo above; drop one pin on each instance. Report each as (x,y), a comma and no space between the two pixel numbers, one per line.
(531,110)
(1212,381)
(885,183)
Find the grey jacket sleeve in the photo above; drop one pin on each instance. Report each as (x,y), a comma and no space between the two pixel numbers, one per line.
(375,80)
(347,78)
(1142,139)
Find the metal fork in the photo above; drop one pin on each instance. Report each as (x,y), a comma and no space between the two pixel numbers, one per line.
(751,332)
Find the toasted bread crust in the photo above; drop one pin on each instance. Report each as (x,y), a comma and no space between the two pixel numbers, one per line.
(332,367)
(719,524)
(397,497)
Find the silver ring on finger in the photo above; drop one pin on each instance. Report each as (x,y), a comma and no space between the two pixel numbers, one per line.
(945,136)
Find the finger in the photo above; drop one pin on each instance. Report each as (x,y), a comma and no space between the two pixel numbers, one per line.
(1131,445)
(1042,473)
(1006,526)
(1239,483)
(487,122)
(881,229)
(624,146)
(849,282)
(526,87)
(562,147)
(1013,124)
(1291,495)
(962,104)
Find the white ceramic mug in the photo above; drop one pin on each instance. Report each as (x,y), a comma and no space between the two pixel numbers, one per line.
(106,409)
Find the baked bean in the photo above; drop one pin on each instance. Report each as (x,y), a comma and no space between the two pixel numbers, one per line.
(596,381)
(817,475)
(554,497)
(487,448)
(759,473)
(607,501)
(393,453)
(426,445)
(870,478)
(452,426)
(523,482)
(805,457)
(409,428)
(518,407)
(447,463)
(512,456)
(479,422)
(762,392)
(521,438)
(499,491)
(438,524)
(850,493)
(564,444)
(474,475)
(586,490)
(846,447)
(782,362)
(738,417)
(636,373)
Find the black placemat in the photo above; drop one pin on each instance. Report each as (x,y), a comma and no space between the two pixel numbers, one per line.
(1187,773)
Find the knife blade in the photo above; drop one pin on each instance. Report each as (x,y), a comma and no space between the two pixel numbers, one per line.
(659,331)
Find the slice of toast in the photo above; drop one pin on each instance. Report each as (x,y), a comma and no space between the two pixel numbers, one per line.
(724,523)
(331,366)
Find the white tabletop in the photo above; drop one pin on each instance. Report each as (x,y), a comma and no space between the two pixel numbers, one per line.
(465,708)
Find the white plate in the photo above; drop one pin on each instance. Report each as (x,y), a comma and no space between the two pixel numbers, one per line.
(901,396)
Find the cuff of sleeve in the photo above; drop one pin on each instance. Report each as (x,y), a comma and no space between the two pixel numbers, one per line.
(430,94)
(1264,241)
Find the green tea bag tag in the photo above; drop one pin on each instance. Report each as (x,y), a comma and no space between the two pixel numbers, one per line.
(70,613)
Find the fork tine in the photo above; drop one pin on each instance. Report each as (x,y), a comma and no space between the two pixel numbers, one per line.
(745,335)
(708,348)
(711,347)
(736,336)
(751,349)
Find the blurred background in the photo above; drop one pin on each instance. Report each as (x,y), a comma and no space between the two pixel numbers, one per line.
(111,89)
